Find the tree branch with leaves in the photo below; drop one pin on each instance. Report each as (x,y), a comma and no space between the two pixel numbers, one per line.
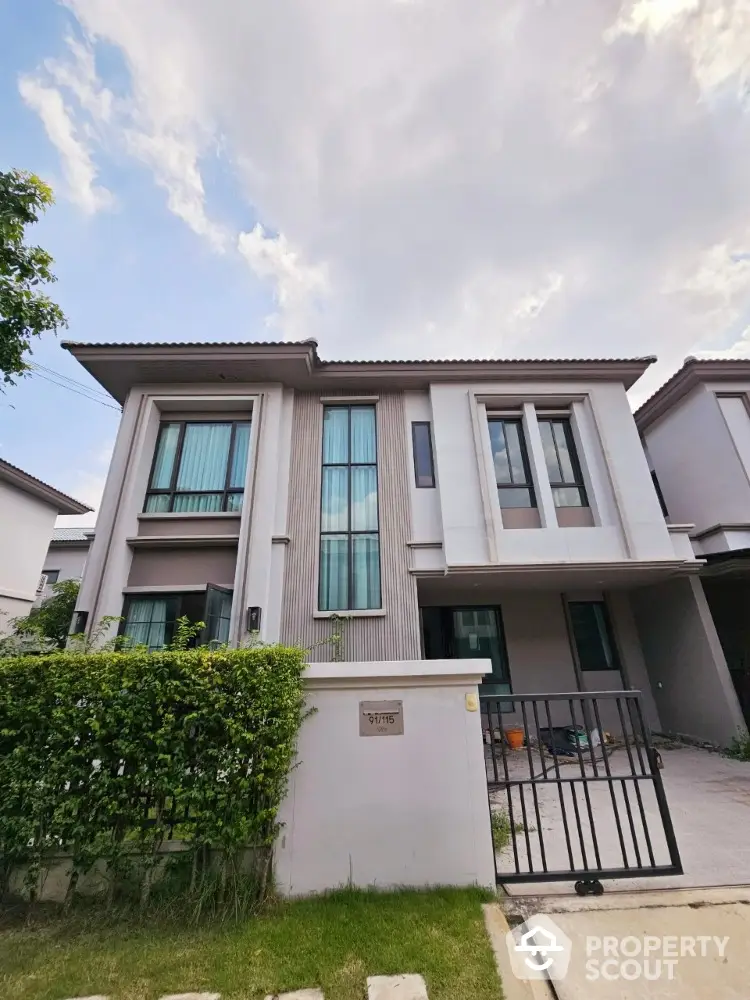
(25,311)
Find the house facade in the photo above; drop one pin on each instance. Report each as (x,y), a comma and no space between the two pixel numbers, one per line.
(65,559)
(696,433)
(28,510)
(494,509)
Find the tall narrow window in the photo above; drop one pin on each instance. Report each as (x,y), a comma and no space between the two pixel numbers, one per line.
(563,468)
(659,494)
(424,469)
(512,472)
(592,634)
(349,538)
(199,467)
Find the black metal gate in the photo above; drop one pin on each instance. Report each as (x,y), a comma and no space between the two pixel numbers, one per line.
(576,791)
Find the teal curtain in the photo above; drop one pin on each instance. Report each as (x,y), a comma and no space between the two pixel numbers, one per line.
(364,498)
(335,435)
(199,503)
(146,623)
(205,453)
(366,572)
(157,503)
(161,477)
(334,573)
(335,499)
(363,435)
(238,468)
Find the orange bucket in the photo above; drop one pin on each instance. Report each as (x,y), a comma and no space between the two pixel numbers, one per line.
(514,736)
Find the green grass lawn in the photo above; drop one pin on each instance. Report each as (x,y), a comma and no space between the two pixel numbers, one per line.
(333,942)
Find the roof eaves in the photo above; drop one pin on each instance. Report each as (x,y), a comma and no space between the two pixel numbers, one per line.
(692,372)
(30,484)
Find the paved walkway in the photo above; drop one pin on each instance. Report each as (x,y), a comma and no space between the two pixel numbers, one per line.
(407,987)
(696,941)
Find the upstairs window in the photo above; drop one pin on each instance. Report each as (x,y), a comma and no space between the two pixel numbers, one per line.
(349,578)
(511,461)
(424,467)
(199,467)
(563,468)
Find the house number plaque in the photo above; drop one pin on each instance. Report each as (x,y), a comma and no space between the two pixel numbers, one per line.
(381,718)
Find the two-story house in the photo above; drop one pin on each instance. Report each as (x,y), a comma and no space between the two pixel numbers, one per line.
(696,432)
(28,511)
(497,509)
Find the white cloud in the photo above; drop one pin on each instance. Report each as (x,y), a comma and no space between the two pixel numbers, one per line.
(87,485)
(77,163)
(567,177)
(297,287)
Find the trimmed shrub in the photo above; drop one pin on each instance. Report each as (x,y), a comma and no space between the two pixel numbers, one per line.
(105,755)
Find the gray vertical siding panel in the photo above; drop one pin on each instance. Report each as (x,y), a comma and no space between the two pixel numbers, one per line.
(396,635)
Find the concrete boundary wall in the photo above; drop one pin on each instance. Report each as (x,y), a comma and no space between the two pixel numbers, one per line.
(406,809)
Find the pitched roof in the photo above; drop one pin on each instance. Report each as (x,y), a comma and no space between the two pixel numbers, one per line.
(118,367)
(80,536)
(62,503)
(692,372)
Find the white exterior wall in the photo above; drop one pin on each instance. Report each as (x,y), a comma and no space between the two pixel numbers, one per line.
(259,568)
(387,811)
(26,525)
(698,462)
(628,523)
(68,560)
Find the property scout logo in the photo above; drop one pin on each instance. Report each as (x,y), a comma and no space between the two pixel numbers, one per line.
(539,949)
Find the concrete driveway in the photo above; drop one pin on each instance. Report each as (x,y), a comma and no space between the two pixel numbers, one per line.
(709,800)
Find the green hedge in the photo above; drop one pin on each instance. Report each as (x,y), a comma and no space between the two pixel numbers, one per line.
(106,754)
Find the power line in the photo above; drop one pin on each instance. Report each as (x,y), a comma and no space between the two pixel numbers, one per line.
(66,378)
(78,392)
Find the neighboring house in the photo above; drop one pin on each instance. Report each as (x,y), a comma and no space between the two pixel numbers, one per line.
(696,431)
(28,510)
(499,509)
(66,557)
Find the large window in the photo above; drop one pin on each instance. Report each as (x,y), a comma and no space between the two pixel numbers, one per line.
(199,467)
(150,619)
(563,468)
(470,633)
(592,634)
(349,540)
(512,472)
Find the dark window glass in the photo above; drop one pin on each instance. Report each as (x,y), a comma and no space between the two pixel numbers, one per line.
(199,467)
(511,462)
(150,619)
(563,468)
(424,469)
(349,577)
(52,576)
(659,494)
(592,634)
(470,633)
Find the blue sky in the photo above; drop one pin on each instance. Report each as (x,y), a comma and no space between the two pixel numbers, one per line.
(406,179)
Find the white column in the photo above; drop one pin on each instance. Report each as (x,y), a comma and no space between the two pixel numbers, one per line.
(542,488)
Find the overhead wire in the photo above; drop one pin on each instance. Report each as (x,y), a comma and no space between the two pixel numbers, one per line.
(79,392)
(66,378)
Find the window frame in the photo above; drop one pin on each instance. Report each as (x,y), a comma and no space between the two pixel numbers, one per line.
(610,632)
(48,573)
(173,492)
(428,425)
(201,639)
(659,494)
(348,406)
(578,482)
(529,484)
